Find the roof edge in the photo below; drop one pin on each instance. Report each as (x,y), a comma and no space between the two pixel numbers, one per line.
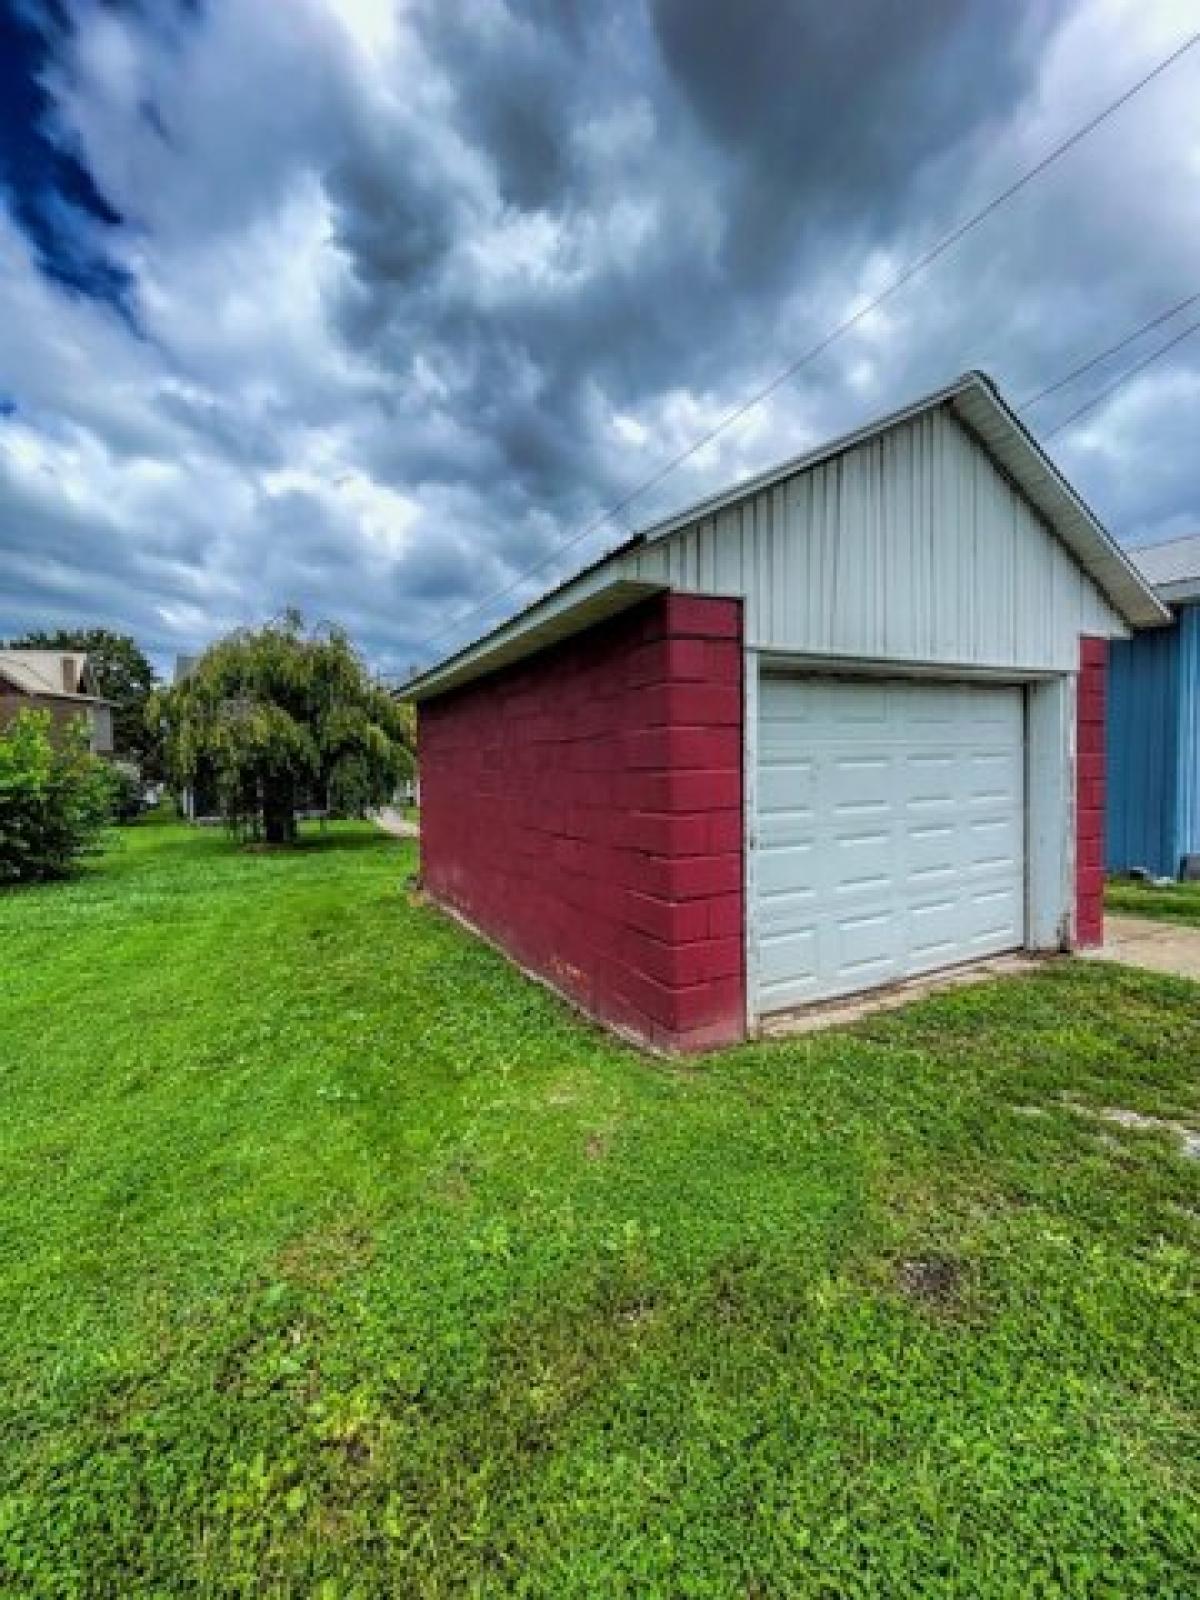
(972,397)
(555,617)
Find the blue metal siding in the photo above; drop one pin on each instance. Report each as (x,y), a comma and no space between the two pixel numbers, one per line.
(1187,804)
(1143,750)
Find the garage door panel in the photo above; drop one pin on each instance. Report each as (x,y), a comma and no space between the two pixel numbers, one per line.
(788,785)
(890,832)
(788,965)
(934,929)
(933,849)
(860,864)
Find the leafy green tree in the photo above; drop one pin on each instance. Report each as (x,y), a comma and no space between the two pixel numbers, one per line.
(123,675)
(277,714)
(55,797)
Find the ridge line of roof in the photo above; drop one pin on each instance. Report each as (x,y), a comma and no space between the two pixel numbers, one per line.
(971,381)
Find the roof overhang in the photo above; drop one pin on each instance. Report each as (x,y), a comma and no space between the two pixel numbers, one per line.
(600,590)
(1178,593)
(565,612)
(979,407)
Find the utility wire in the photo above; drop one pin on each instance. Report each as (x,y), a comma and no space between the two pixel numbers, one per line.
(1103,355)
(1119,383)
(914,267)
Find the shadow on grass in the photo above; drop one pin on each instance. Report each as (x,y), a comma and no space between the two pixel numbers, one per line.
(344,836)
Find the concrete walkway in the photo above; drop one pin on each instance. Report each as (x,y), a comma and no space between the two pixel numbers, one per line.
(1158,946)
(392,820)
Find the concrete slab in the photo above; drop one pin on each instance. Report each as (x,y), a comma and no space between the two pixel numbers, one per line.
(837,1013)
(1157,946)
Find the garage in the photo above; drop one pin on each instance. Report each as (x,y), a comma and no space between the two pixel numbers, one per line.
(833,727)
(891,833)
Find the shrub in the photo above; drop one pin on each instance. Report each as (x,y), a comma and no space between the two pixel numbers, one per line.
(128,794)
(55,797)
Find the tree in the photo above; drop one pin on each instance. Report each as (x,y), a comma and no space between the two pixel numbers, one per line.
(123,675)
(55,797)
(276,714)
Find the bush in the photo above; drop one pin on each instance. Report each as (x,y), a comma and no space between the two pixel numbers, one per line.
(128,794)
(55,798)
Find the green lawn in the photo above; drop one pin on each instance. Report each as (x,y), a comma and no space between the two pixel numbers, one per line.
(338,1260)
(1175,902)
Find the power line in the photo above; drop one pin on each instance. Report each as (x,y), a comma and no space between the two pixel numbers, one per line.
(1103,355)
(916,266)
(1120,382)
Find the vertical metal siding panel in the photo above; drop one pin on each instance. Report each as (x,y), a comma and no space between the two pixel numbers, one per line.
(854,551)
(694,564)
(805,517)
(1143,752)
(969,593)
(882,615)
(892,456)
(911,547)
(989,557)
(740,555)
(726,548)
(943,568)
(785,599)
(935,618)
(1187,831)
(898,533)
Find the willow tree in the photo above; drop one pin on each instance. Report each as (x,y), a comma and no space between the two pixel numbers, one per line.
(276,717)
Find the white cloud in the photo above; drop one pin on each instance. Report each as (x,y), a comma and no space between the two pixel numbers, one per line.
(419,289)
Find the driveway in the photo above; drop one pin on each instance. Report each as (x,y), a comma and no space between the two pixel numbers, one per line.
(1158,946)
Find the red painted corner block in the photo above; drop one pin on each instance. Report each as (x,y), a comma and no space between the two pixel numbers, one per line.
(1090,793)
(584,809)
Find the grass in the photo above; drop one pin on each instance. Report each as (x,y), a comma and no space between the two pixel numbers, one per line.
(336,1260)
(1172,902)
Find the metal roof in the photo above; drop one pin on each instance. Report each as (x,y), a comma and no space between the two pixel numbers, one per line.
(977,404)
(1172,567)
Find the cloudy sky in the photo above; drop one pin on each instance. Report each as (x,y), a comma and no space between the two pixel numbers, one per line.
(365,307)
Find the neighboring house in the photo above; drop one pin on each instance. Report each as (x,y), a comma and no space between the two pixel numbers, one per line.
(1154,724)
(835,727)
(60,682)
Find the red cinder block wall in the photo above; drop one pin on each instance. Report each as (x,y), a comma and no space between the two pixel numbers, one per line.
(1089,793)
(583,808)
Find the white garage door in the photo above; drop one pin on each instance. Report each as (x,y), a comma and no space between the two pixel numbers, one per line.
(890,832)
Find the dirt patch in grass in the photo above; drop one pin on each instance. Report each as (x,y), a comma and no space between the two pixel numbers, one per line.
(934,1280)
(597,1146)
(322,1256)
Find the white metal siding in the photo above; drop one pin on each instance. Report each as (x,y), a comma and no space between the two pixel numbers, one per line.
(911,547)
(890,832)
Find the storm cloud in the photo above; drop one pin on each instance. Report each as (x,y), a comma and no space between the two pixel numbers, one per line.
(368,308)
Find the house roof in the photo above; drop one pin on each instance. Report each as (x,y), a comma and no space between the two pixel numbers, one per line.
(40,672)
(1172,567)
(601,589)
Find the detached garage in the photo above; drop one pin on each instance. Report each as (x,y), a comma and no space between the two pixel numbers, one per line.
(837,727)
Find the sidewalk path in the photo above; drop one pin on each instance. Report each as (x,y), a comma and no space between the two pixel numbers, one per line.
(1159,946)
(392,820)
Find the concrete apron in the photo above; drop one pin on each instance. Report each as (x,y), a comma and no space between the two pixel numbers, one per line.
(852,1008)
(1167,947)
